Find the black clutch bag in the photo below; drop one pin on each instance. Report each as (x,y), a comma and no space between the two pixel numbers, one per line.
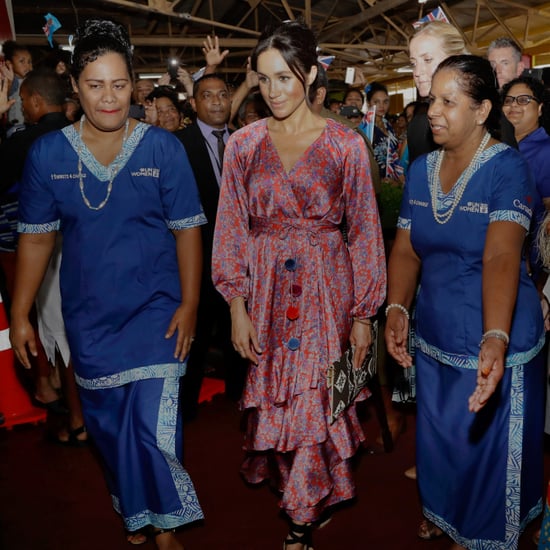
(344,382)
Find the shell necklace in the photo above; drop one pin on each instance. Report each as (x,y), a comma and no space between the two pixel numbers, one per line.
(460,187)
(115,168)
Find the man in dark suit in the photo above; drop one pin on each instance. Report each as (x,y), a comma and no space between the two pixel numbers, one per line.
(204,142)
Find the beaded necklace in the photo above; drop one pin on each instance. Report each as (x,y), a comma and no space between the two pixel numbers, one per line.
(115,168)
(460,186)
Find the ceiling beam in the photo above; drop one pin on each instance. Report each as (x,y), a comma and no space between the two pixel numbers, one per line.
(348,23)
(181,16)
(176,41)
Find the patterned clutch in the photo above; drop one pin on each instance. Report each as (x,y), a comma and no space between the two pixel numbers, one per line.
(345,382)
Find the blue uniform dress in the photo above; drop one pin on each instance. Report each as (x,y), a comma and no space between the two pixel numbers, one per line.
(120,287)
(479,475)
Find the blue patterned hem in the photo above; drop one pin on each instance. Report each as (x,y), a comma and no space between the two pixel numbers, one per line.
(470,361)
(484,544)
(190,508)
(162,521)
(133,375)
(513,527)
(38,227)
(510,216)
(186,223)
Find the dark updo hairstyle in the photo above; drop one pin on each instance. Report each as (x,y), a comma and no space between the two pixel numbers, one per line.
(296,43)
(98,37)
(477,79)
(538,91)
(376,87)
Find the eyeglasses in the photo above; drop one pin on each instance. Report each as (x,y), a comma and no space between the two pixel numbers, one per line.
(523,99)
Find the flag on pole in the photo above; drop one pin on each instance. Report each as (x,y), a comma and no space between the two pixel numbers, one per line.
(52,24)
(436,15)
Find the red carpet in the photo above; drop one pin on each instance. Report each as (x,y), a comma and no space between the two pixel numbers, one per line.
(54,498)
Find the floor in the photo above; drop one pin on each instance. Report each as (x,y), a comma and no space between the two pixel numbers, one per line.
(54,498)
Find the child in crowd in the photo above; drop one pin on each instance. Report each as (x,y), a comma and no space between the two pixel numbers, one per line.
(17,63)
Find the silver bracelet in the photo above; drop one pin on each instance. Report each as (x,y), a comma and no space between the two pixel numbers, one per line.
(401,308)
(495,333)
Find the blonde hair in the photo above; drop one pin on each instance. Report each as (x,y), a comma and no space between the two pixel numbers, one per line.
(452,41)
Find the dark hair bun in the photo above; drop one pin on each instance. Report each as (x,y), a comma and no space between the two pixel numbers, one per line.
(103,28)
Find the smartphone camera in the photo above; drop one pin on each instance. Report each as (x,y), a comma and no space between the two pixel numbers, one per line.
(173,66)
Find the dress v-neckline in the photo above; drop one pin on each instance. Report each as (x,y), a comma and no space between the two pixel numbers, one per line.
(286,172)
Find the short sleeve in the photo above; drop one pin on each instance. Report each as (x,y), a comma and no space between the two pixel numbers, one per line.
(513,191)
(37,207)
(404,220)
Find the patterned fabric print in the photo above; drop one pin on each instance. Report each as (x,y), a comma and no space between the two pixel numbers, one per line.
(544,541)
(449,328)
(101,172)
(513,526)
(471,362)
(486,544)
(287,388)
(445,200)
(193,221)
(385,147)
(508,216)
(132,375)
(38,227)
(8,224)
(190,510)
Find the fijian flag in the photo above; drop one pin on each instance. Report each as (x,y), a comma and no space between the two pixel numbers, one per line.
(52,24)
(367,124)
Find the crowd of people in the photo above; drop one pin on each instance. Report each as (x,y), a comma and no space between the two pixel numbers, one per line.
(143,223)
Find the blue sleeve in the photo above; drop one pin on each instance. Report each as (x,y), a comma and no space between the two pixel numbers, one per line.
(413,175)
(513,194)
(37,207)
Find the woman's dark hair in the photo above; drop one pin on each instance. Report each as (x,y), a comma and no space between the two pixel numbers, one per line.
(10,47)
(376,87)
(168,92)
(354,90)
(97,37)
(477,80)
(296,43)
(538,91)
(260,106)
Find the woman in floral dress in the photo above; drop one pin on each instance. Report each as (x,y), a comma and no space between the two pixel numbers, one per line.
(299,295)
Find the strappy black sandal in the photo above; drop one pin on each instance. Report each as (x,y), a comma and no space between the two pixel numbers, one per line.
(299,534)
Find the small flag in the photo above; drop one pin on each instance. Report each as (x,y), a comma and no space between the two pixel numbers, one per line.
(367,124)
(325,60)
(52,24)
(394,170)
(437,15)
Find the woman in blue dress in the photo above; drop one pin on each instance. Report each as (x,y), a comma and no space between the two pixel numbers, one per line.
(465,213)
(123,194)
